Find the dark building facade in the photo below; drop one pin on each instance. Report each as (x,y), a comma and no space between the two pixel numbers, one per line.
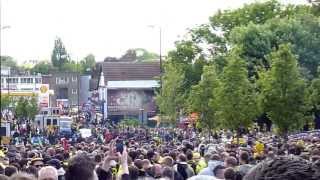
(65,86)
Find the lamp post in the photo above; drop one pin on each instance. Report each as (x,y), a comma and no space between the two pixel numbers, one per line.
(160,57)
(78,88)
(160,50)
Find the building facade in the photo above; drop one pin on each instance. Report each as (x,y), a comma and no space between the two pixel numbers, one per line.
(25,86)
(126,90)
(65,86)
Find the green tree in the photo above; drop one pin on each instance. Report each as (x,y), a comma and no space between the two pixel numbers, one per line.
(72,66)
(202,97)
(5,102)
(189,60)
(144,55)
(235,102)
(257,41)
(170,98)
(283,91)
(59,55)
(314,94)
(315,6)
(88,63)
(32,108)
(256,13)
(42,67)
(20,110)
(8,61)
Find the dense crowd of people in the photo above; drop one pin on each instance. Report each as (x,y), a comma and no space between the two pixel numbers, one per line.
(168,154)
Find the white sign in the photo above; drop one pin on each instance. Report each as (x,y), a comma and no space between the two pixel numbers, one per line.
(85,133)
(44,95)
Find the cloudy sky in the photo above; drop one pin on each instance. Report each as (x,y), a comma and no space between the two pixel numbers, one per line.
(102,27)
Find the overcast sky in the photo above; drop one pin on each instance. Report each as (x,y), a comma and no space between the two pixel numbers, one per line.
(102,27)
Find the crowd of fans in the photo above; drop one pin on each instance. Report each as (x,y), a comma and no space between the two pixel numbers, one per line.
(168,154)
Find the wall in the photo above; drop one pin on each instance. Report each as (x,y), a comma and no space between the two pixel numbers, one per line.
(84,88)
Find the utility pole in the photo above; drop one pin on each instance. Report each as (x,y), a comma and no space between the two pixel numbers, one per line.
(78,89)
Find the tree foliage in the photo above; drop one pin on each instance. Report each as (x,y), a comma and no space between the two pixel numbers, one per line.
(314,96)
(202,96)
(59,55)
(8,61)
(235,102)
(42,67)
(257,41)
(238,43)
(32,108)
(72,66)
(20,110)
(283,91)
(26,109)
(144,55)
(88,63)
(5,102)
(170,98)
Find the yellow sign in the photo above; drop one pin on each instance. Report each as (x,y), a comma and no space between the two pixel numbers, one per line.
(20,93)
(43,89)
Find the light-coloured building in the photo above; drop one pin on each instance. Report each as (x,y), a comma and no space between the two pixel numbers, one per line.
(25,86)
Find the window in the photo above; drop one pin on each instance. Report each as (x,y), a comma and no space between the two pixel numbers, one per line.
(38,80)
(26,80)
(74,78)
(48,122)
(13,80)
(55,122)
(2,80)
(55,111)
(23,80)
(62,93)
(74,91)
(62,80)
(30,80)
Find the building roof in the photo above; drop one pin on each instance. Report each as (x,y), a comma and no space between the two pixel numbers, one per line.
(136,84)
(129,71)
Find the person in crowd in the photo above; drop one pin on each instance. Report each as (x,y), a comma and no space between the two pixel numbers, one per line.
(218,172)
(244,166)
(81,167)
(57,164)
(10,170)
(213,162)
(144,154)
(182,167)
(48,173)
(22,176)
(284,168)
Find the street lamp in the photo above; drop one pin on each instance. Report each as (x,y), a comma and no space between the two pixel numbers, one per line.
(160,49)
(160,54)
